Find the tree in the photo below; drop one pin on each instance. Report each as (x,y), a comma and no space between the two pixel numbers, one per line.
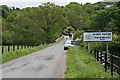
(4,10)
(73,14)
(35,25)
(118,4)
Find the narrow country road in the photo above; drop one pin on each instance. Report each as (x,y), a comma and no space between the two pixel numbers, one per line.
(47,63)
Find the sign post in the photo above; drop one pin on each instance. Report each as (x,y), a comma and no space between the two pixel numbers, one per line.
(97,37)
(107,47)
(88,47)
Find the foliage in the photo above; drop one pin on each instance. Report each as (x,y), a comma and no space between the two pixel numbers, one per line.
(37,25)
(82,65)
(43,24)
(0,31)
(74,13)
(68,30)
(114,46)
(78,34)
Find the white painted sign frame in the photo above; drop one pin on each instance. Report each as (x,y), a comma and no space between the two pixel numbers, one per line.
(97,36)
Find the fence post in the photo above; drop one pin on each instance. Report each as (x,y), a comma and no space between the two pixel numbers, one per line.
(105,61)
(101,57)
(27,46)
(21,46)
(119,68)
(112,65)
(18,47)
(24,46)
(8,48)
(97,55)
(2,49)
(13,48)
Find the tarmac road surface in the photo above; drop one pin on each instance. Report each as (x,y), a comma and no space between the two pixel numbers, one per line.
(47,63)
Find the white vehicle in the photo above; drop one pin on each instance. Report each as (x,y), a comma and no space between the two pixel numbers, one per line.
(67,44)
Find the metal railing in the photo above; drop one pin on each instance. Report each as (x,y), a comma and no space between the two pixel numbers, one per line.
(109,61)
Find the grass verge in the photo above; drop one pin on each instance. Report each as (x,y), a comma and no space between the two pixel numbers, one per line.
(82,65)
(7,56)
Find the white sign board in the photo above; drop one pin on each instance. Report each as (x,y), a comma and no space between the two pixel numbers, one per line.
(97,36)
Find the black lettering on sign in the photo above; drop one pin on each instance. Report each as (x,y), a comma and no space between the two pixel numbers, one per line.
(106,33)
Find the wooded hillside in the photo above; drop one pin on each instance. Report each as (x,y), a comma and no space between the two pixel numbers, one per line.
(44,24)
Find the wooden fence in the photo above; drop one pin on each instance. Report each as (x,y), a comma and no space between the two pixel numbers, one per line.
(109,61)
(9,48)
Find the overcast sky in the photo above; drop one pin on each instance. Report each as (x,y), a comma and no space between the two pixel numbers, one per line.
(34,3)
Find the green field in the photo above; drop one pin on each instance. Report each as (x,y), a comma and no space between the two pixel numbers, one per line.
(7,56)
(82,65)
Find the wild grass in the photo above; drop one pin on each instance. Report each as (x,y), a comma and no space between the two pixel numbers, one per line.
(80,64)
(7,56)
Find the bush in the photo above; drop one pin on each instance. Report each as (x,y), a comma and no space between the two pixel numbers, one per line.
(78,34)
